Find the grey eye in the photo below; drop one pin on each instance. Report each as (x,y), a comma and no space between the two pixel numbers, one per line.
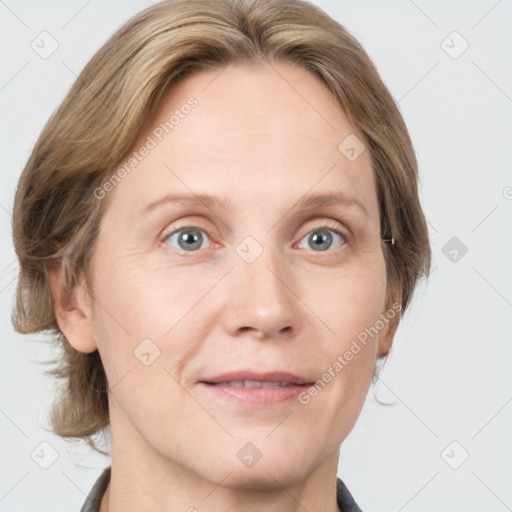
(321,239)
(188,239)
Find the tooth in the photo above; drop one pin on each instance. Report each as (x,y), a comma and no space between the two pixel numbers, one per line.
(270,384)
(252,383)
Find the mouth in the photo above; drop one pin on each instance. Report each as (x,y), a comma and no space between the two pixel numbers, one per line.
(254,384)
(253,389)
(253,379)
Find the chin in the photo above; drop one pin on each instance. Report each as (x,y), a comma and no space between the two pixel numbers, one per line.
(273,470)
(263,478)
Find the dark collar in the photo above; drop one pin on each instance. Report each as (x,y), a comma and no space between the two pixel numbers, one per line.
(346,502)
(344,499)
(93,500)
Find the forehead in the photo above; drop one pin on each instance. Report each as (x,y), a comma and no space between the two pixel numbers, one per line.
(280,99)
(267,132)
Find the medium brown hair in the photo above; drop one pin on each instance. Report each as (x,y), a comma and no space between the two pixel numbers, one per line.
(56,214)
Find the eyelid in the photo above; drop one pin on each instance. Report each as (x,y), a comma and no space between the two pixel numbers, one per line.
(329,224)
(179,227)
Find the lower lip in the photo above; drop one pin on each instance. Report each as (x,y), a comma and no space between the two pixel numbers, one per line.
(257,397)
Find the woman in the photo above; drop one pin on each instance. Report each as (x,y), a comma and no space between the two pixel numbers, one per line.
(220,226)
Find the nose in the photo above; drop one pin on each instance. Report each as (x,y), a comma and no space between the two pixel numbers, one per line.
(261,300)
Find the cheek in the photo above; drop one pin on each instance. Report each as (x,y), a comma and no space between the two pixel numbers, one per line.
(140,343)
(145,315)
(132,299)
(351,307)
(351,300)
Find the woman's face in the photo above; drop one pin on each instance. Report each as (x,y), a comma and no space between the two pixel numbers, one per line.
(252,282)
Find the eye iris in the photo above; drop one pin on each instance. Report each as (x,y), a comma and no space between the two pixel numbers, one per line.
(319,237)
(191,239)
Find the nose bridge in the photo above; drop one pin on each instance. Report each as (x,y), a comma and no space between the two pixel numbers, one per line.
(265,277)
(260,297)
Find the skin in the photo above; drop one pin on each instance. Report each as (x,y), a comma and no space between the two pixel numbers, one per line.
(295,308)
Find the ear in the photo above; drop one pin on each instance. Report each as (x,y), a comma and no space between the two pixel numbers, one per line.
(392,315)
(72,308)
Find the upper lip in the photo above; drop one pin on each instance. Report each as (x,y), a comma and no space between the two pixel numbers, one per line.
(272,376)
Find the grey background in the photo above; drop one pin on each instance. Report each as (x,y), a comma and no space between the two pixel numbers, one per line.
(448,374)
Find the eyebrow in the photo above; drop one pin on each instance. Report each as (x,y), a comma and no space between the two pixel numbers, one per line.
(334,198)
(308,202)
(188,200)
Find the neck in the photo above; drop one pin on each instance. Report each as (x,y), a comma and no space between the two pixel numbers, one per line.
(105,500)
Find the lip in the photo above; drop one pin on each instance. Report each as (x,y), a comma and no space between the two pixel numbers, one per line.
(256,397)
(271,376)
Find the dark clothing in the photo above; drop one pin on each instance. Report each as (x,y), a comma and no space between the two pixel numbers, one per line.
(93,500)
(345,500)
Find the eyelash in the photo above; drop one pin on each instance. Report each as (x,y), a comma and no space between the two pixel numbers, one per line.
(327,225)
